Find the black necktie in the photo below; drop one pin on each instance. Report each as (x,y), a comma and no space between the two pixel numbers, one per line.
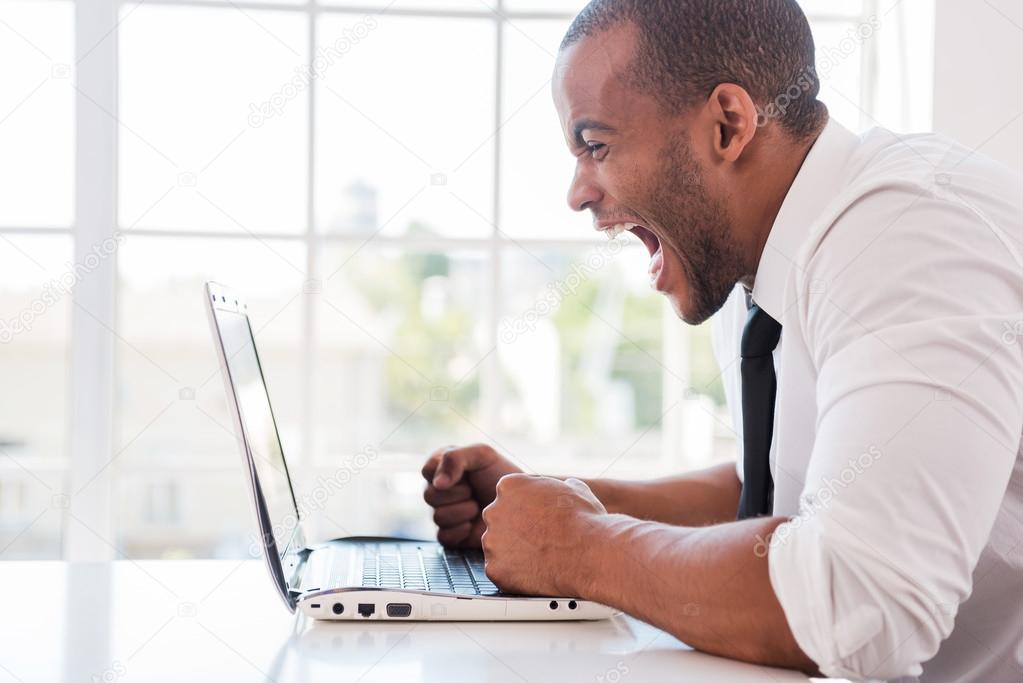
(759,386)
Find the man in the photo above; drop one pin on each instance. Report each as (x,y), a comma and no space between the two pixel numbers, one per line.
(879,493)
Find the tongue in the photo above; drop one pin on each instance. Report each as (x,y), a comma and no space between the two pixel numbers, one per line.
(656,263)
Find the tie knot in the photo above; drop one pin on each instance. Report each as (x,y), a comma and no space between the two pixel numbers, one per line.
(761,334)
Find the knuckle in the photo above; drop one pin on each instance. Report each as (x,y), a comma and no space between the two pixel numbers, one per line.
(434,497)
(430,466)
(483,448)
(509,481)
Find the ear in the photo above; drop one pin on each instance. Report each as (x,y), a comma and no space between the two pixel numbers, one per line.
(735,120)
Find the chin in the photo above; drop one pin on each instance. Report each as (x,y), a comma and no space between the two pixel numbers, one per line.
(680,306)
(683,306)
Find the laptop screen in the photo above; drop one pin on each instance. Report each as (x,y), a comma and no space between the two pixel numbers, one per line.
(258,423)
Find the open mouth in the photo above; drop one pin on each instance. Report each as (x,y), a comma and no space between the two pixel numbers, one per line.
(649,240)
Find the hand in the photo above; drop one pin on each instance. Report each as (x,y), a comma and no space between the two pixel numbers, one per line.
(541,536)
(460,483)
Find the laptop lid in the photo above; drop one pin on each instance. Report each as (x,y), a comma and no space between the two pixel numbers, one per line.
(277,515)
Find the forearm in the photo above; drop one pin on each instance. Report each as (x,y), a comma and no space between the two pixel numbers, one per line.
(696,499)
(708,587)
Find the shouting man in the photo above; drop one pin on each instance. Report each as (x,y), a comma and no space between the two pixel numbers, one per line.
(867,293)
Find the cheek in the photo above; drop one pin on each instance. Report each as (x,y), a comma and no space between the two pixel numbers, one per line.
(625,181)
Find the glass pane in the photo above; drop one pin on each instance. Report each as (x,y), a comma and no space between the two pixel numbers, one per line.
(215,137)
(400,348)
(385,499)
(537,167)
(811,7)
(463,5)
(172,410)
(37,113)
(400,342)
(580,348)
(267,2)
(831,7)
(405,143)
(840,48)
(561,6)
(35,291)
(183,514)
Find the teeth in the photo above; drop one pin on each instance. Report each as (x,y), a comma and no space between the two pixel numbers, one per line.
(613,231)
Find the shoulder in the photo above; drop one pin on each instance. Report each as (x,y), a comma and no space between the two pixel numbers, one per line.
(924,229)
(912,201)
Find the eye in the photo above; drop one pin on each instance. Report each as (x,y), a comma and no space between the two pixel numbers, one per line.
(598,150)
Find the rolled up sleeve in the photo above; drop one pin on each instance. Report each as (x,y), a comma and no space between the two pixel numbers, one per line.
(918,428)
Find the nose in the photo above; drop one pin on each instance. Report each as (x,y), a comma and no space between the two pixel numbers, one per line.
(583,191)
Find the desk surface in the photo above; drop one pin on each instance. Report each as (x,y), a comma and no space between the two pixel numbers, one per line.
(221,621)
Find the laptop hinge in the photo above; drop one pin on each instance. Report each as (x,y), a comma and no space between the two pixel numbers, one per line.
(295,578)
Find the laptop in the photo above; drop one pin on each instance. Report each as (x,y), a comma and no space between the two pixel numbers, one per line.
(349,578)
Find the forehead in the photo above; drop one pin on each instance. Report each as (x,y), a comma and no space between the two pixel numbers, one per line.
(590,75)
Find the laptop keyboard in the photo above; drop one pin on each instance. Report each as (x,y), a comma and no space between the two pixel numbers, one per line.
(424,567)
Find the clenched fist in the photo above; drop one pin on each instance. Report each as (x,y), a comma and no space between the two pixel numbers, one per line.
(460,483)
(542,534)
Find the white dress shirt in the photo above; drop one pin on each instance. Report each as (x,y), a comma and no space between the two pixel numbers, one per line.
(895,269)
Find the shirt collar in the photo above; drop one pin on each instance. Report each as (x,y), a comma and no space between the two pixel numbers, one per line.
(818,182)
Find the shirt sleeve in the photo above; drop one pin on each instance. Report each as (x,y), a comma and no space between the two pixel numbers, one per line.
(909,305)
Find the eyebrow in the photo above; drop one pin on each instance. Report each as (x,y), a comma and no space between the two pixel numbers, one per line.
(588,124)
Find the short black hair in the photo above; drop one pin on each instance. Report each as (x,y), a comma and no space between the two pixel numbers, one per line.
(686,48)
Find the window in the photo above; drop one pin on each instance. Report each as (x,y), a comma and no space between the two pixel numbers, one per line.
(36,205)
(387,186)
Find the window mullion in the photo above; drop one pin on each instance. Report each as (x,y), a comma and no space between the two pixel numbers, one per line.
(490,380)
(89,522)
(869,67)
(312,255)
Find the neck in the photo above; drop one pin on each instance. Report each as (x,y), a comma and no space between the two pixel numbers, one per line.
(772,181)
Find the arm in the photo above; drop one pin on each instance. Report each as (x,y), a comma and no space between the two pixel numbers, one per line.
(709,587)
(462,481)
(702,498)
(920,409)
(721,600)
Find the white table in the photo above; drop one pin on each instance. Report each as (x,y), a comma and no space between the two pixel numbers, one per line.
(221,621)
